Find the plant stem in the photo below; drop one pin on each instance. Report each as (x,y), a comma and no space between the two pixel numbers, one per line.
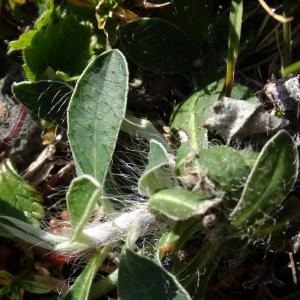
(108,232)
(270,12)
(295,67)
(178,236)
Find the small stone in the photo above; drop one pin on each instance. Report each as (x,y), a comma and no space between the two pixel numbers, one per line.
(3,111)
(209,221)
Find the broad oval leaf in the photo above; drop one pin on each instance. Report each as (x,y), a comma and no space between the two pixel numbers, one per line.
(159,174)
(42,46)
(193,112)
(271,179)
(25,39)
(82,197)
(157,45)
(179,204)
(17,198)
(46,98)
(225,166)
(191,15)
(96,111)
(142,278)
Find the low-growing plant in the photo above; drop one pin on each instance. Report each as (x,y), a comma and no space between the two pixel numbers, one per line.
(207,186)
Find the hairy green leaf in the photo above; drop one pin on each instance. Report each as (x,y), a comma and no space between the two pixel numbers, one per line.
(103,286)
(159,174)
(142,278)
(271,179)
(191,114)
(46,98)
(225,166)
(82,197)
(184,156)
(30,233)
(81,288)
(17,198)
(157,45)
(179,204)
(96,111)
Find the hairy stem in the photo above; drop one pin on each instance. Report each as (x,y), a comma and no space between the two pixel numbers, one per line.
(16,128)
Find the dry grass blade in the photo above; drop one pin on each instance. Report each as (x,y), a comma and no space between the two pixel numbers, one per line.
(235,26)
(270,12)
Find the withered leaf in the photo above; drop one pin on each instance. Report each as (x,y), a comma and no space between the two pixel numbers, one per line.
(239,119)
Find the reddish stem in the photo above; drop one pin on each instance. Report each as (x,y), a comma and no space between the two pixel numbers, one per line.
(15,130)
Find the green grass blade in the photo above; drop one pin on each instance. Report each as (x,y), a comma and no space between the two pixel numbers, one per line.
(235,26)
(295,67)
